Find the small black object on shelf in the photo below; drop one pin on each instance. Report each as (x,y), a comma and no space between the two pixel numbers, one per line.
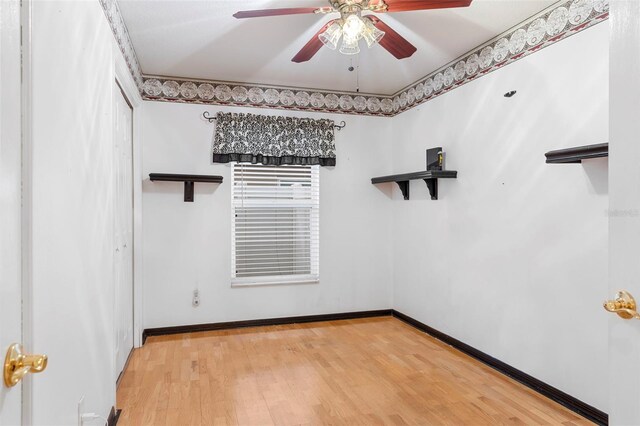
(577,154)
(430,177)
(435,158)
(188,180)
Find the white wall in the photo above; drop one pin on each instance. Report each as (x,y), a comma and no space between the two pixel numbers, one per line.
(188,245)
(513,257)
(73,214)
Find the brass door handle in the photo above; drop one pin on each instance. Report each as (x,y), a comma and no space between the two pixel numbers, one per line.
(17,364)
(624,305)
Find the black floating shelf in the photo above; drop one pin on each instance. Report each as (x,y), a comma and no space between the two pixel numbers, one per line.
(577,154)
(429,176)
(188,180)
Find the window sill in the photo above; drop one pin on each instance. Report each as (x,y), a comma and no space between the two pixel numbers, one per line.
(274,280)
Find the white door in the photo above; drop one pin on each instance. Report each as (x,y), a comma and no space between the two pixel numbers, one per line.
(10,201)
(624,206)
(123,229)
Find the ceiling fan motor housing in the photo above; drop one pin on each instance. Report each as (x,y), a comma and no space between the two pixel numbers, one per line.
(347,7)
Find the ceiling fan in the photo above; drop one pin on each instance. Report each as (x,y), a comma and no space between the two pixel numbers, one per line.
(352,26)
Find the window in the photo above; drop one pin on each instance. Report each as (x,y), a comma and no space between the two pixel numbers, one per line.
(275,220)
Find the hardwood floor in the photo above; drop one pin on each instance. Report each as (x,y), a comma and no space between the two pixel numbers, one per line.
(352,372)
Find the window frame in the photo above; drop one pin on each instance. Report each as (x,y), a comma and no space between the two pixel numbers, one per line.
(269,280)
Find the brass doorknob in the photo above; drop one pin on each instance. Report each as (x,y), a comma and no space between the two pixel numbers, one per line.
(624,305)
(17,364)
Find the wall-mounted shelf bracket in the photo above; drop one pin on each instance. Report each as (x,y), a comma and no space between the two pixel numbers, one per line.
(432,185)
(404,188)
(189,186)
(189,181)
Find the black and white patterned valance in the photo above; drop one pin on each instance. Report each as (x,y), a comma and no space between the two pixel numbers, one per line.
(271,140)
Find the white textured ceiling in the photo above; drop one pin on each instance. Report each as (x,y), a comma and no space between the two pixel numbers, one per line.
(201,39)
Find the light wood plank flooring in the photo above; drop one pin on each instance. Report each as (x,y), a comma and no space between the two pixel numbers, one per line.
(354,372)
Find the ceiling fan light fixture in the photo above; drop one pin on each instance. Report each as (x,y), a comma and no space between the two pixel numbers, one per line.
(349,46)
(353,27)
(331,36)
(371,34)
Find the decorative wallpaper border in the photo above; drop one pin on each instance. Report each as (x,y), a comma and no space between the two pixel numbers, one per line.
(223,93)
(119,29)
(541,30)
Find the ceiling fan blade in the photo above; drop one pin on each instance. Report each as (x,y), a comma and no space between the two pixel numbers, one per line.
(397,45)
(407,5)
(312,46)
(274,12)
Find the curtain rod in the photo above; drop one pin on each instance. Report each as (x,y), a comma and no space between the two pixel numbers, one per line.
(211,119)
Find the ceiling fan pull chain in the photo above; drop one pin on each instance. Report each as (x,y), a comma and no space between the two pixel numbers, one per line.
(358,74)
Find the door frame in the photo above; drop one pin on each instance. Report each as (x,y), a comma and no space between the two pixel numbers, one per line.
(26,102)
(118,95)
(13,323)
(125,82)
(624,208)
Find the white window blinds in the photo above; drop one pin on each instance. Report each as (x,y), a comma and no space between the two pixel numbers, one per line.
(275,220)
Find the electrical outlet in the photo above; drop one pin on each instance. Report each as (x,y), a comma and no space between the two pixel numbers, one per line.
(196,299)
